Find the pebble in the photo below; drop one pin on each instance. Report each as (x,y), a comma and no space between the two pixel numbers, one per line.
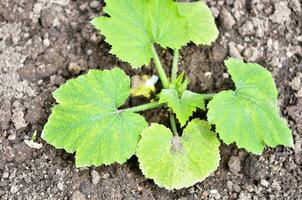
(234,164)
(230,185)
(191,190)
(227,19)
(14,189)
(83,7)
(60,185)
(95,177)
(74,68)
(5,175)
(234,51)
(94,4)
(264,183)
(215,194)
(46,42)
(282,13)
(208,74)
(215,12)
(296,83)
(12,137)
(251,54)
(18,119)
(225,75)
(106,175)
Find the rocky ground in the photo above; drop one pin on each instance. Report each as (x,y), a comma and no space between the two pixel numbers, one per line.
(45,42)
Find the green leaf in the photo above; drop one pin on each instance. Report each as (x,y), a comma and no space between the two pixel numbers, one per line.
(183,106)
(177,162)
(201,23)
(249,115)
(87,119)
(135,25)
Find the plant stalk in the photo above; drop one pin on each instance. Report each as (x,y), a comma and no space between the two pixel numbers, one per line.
(208,96)
(174,65)
(161,72)
(173,124)
(143,107)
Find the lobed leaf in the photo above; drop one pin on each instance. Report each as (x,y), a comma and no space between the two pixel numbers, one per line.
(87,121)
(183,106)
(201,23)
(134,26)
(249,116)
(175,162)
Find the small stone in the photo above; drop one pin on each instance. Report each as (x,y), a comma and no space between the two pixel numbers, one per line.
(11,137)
(191,190)
(89,52)
(95,38)
(83,7)
(18,119)
(5,175)
(106,175)
(61,2)
(208,74)
(225,75)
(296,83)
(77,195)
(264,182)
(95,177)
(46,42)
(234,164)
(282,13)
(74,68)
(230,185)
(14,189)
(215,194)
(296,5)
(5,115)
(60,185)
(215,12)
(227,19)
(251,54)
(94,4)
(234,51)
(56,23)
(236,188)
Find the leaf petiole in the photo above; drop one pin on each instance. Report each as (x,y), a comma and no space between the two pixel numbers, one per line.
(161,72)
(174,65)
(143,107)
(173,124)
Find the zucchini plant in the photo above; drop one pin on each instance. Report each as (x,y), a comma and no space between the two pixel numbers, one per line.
(90,120)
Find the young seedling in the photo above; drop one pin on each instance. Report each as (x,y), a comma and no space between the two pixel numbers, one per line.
(89,120)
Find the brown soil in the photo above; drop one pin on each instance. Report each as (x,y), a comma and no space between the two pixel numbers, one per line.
(43,43)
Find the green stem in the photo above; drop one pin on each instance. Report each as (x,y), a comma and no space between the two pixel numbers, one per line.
(173,124)
(161,72)
(208,96)
(143,107)
(174,65)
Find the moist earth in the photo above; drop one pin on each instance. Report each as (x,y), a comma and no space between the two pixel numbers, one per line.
(43,43)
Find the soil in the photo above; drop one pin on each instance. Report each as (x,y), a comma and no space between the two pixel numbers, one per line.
(43,43)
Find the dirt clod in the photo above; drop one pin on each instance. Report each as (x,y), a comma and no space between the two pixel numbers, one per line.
(234,164)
